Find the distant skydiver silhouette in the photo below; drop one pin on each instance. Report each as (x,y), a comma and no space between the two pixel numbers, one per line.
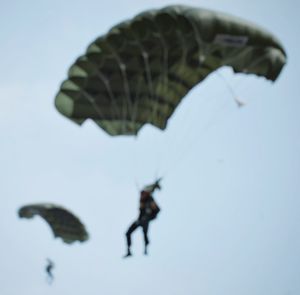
(49,268)
(148,211)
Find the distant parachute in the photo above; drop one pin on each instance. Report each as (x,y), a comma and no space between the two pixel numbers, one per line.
(142,68)
(62,222)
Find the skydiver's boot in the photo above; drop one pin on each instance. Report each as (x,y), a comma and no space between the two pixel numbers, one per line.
(128,253)
(146,250)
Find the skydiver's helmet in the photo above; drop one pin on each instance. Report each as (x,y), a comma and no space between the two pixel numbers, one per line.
(152,187)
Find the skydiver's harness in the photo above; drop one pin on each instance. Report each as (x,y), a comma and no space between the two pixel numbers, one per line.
(147,213)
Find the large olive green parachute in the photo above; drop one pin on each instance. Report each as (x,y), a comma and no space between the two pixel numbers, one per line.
(62,222)
(141,69)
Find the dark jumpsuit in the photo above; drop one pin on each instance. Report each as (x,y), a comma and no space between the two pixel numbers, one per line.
(148,212)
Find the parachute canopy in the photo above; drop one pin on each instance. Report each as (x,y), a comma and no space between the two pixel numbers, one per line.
(142,68)
(62,222)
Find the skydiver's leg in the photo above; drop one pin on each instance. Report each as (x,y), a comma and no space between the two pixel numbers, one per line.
(131,229)
(50,278)
(145,227)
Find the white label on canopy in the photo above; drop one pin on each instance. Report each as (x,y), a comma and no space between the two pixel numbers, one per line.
(230,40)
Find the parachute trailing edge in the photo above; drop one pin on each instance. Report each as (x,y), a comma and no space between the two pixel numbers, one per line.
(142,68)
(63,223)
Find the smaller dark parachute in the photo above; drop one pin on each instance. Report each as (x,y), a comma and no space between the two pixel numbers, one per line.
(62,222)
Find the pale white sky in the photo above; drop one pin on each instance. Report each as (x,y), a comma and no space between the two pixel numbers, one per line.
(230,200)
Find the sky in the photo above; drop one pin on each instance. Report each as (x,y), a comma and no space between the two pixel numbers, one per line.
(230,191)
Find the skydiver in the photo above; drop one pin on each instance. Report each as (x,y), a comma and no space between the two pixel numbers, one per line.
(148,211)
(49,268)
